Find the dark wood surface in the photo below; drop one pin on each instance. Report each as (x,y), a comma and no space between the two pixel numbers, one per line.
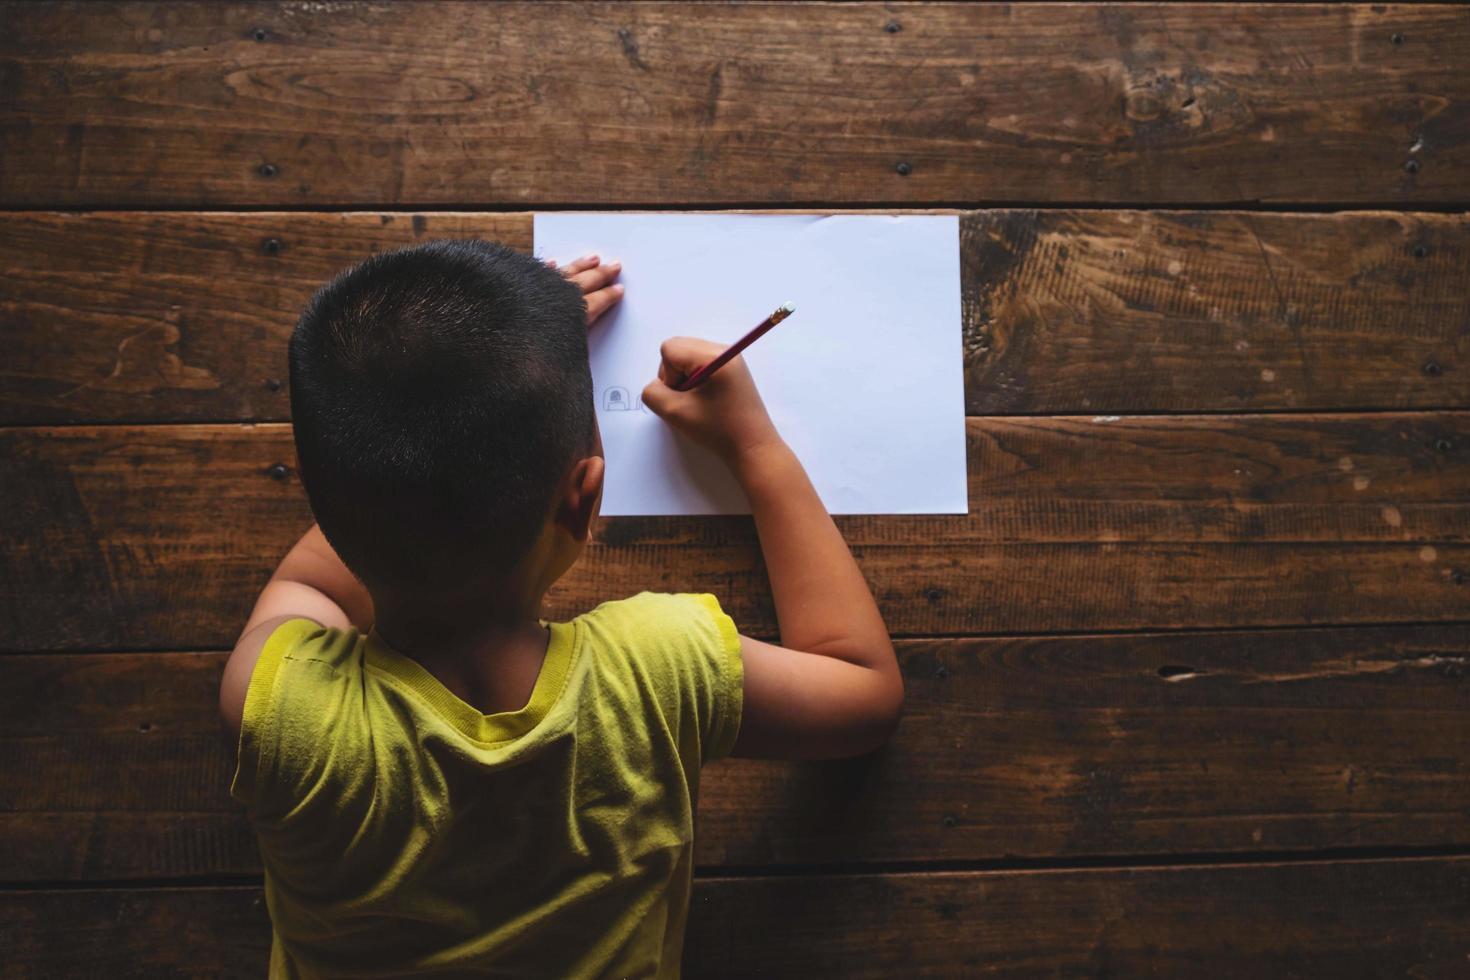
(173,317)
(1368,919)
(1187,686)
(161,317)
(1049,747)
(207,105)
(1340,919)
(147,537)
(1168,311)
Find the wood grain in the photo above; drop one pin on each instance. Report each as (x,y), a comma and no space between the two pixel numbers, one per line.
(1349,919)
(206,105)
(1151,744)
(167,317)
(152,317)
(158,537)
(1123,311)
(131,550)
(1345,919)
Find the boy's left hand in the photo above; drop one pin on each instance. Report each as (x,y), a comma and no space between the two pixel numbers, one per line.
(595,278)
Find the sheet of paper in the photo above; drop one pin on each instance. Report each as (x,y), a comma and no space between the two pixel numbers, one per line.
(864,381)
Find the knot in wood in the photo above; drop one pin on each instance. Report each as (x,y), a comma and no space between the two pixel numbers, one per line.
(1143,105)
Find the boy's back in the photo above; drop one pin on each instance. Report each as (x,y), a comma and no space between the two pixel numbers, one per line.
(442,782)
(405,833)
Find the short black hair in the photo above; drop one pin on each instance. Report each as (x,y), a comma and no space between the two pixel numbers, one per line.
(439,393)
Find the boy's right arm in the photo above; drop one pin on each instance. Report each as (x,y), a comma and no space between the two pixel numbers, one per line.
(833,688)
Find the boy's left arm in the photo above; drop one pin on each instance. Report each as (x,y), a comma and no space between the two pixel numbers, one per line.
(310,583)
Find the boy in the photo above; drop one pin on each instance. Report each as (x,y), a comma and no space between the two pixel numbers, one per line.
(441,782)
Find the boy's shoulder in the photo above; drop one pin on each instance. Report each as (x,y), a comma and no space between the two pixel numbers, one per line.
(685,650)
(653,616)
(682,633)
(306,639)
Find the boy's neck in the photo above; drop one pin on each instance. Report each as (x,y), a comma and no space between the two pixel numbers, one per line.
(489,656)
(411,627)
(484,640)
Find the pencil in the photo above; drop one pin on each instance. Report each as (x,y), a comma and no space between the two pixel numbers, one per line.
(701,374)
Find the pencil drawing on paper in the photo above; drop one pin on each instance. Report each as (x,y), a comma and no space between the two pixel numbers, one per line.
(617,399)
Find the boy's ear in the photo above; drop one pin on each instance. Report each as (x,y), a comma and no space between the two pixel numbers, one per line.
(578,505)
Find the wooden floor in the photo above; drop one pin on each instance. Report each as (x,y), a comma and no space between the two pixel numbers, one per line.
(1189,685)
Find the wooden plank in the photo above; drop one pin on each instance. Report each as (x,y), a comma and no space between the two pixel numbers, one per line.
(1151,744)
(125,316)
(1343,919)
(148,537)
(126,933)
(1340,919)
(175,317)
(210,105)
(1099,311)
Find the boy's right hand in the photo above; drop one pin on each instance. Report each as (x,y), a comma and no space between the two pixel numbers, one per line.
(834,688)
(725,414)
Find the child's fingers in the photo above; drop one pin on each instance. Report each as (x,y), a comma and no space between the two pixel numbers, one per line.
(670,374)
(579,265)
(590,280)
(658,396)
(688,353)
(602,300)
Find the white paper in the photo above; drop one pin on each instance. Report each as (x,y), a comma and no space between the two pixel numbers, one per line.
(864,381)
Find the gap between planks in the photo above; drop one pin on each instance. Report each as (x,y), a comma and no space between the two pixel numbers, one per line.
(911,637)
(1182,861)
(766,207)
(250,423)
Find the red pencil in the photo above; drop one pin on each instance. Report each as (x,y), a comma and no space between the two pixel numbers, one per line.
(701,374)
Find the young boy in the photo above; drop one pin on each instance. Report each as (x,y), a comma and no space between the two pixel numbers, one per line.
(442,782)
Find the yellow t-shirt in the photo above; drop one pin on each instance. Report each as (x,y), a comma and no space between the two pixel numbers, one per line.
(405,833)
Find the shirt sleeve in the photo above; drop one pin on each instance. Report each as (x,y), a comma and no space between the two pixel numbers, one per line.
(685,651)
(298,721)
(721,677)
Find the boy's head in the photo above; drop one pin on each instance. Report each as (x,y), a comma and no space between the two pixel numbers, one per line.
(443,411)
